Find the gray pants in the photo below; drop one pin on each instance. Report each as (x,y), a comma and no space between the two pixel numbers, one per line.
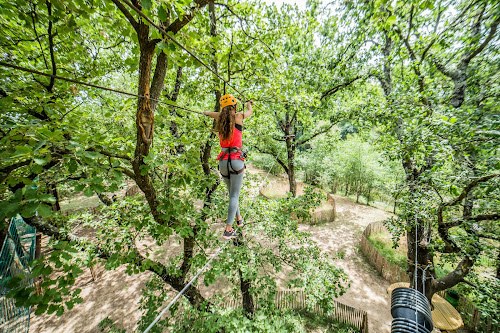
(233,186)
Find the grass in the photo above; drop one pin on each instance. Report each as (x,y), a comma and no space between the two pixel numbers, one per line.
(80,202)
(383,243)
(318,323)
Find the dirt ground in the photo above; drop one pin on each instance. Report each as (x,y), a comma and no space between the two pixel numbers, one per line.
(368,289)
(116,295)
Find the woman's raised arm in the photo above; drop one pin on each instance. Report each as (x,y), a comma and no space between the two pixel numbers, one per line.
(249,110)
(214,115)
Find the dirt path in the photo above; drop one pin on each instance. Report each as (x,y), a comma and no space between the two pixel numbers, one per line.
(368,289)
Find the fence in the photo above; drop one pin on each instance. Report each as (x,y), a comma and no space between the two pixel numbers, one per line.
(291,299)
(471,316)
(17,251)
(389,271)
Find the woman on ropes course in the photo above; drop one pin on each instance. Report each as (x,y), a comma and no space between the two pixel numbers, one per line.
(231,158)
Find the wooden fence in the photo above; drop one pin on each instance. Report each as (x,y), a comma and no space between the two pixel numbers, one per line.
(471,316)
(296,299)
(389,271)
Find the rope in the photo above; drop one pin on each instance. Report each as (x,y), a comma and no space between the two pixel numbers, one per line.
(93,86)
(166,34)
(206,265)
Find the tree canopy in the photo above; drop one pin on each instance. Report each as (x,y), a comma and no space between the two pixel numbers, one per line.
(389,98)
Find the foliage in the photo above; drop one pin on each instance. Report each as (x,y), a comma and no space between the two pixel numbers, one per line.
(419,79)
(263,321)
(352,165)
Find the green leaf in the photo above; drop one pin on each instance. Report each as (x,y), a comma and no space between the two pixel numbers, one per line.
(41,308)
(37,168)
(392,19)
(47,270)
(162,14)
(47,198)
(40,161)
(23,149)
(72,166)
(147,4)
(30,209)
(79,187)
(44,210)
(88,191)
(92,154)
(58,4)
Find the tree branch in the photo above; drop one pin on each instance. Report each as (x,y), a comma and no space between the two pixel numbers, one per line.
(273,155)
(51,48)
(127,14)
(340,86)
(103,152)
(5,171)
(481,47)
(324,130)
(178,24)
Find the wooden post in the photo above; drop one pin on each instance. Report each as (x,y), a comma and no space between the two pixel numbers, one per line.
(38,245)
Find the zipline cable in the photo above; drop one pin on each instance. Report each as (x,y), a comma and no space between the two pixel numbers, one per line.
(93,86)
(163,31)
(208,263)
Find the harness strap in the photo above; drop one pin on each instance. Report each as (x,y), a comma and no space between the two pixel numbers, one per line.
(228,151)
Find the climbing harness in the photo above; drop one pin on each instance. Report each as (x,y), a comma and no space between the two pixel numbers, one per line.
(230,170)
(213,257)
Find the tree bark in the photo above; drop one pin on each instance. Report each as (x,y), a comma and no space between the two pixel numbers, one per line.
(248,304)
(245,286)
(53,190)
(498,265)
(290,148)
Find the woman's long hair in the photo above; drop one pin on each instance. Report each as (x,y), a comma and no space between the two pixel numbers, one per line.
(226,122)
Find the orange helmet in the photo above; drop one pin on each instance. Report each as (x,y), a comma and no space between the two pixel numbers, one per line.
(227,100)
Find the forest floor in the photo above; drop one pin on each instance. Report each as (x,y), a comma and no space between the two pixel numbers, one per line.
(116,295)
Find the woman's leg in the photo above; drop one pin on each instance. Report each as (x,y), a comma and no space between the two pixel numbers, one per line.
(234,186)
(234,191)
(227,181)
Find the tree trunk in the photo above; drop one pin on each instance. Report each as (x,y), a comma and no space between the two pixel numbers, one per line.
(290,148)
(145,122)
(291,172)
(498,265)
(424,256)
(245,286)
(346,189)
(248,304)
(3,232)
(56,206)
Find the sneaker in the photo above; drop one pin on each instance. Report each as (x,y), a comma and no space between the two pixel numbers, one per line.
(229,234)
(239,223)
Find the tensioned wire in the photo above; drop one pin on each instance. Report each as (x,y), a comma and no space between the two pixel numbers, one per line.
(212,258)
(24,69)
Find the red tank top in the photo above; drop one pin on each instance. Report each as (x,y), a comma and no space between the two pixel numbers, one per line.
(235,141)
